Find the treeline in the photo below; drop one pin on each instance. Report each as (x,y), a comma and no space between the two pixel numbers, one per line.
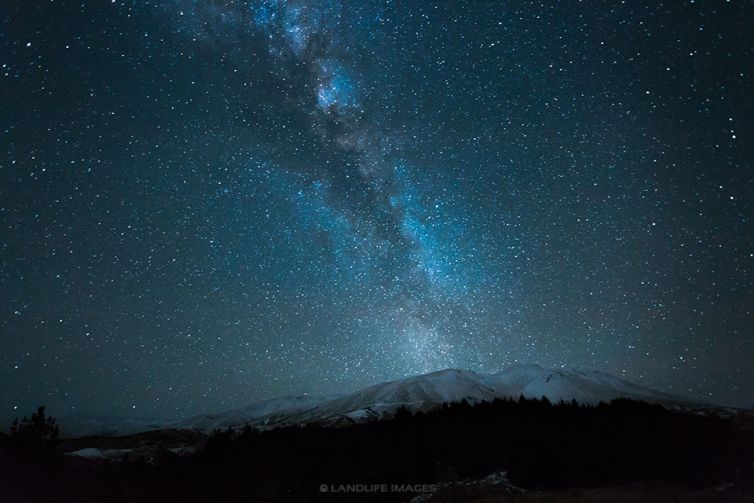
(539,444)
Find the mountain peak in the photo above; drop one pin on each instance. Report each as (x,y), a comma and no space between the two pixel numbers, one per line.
(418,393)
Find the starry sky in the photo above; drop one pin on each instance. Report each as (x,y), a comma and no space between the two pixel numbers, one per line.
(206,203)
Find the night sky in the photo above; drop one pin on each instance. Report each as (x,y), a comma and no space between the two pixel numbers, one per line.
(206,203)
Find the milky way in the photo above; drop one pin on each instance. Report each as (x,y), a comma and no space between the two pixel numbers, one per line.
(207,203)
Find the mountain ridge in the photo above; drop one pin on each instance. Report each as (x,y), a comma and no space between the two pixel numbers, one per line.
(420,392)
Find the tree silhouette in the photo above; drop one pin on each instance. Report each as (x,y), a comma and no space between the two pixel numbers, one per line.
(36,437)
(402,413)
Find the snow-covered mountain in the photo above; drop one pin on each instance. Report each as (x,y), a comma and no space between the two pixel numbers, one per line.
(429,391)
(251,414)
(422,392)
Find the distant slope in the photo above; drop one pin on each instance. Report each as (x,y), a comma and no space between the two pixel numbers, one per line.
(422,392)
(428,391)
(82,426)
(251,414)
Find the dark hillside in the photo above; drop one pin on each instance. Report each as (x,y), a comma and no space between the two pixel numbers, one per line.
(540,445)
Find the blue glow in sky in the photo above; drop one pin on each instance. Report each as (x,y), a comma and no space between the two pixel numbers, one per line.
(207,203)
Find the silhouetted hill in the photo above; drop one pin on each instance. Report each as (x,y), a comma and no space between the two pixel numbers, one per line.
(540,446)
